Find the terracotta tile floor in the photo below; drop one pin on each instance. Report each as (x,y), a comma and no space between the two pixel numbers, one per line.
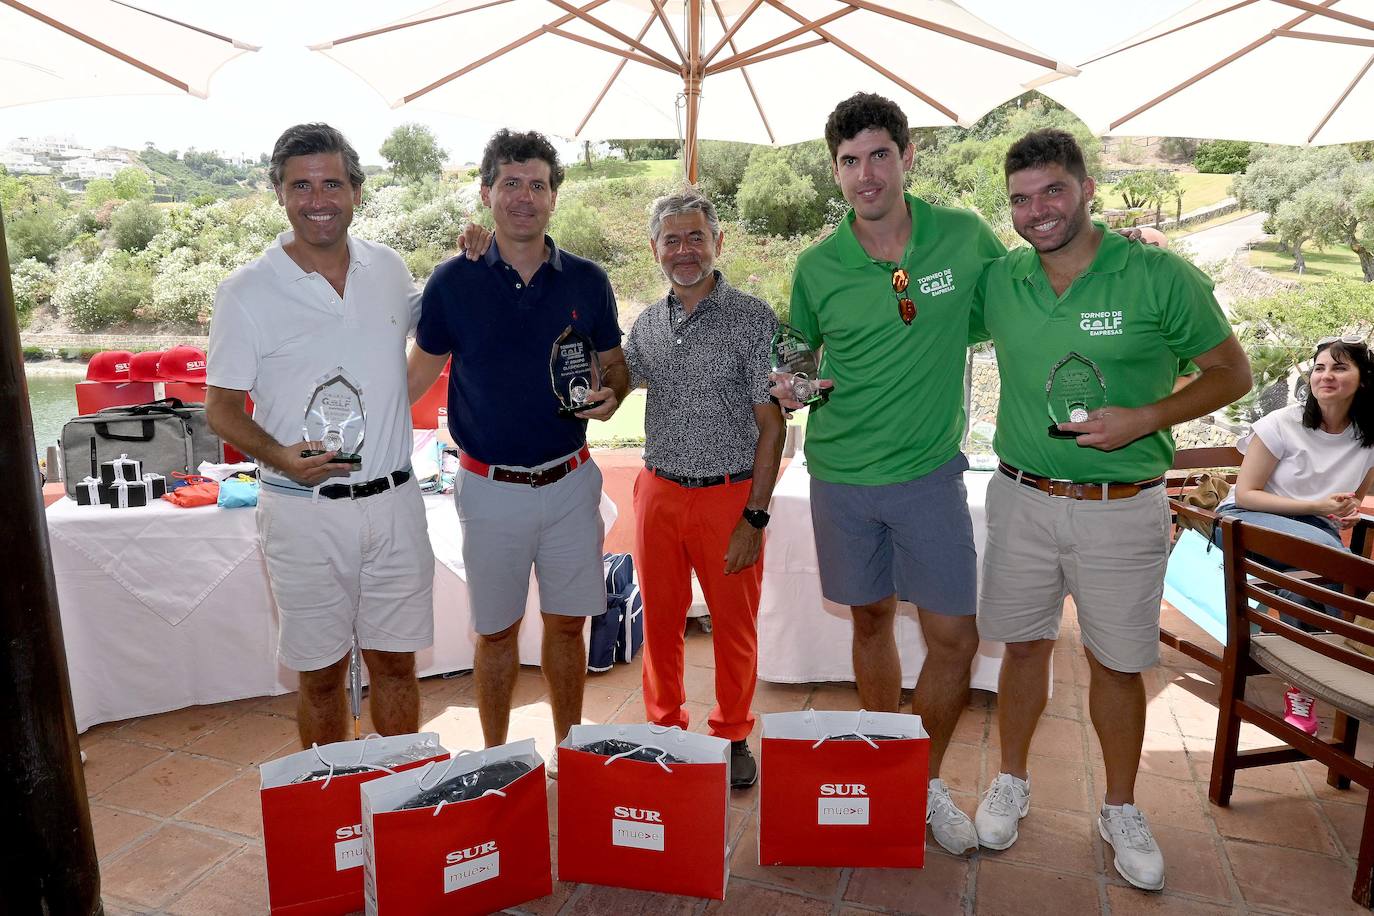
(178,830)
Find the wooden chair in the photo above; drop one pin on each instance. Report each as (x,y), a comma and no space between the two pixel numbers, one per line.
(1187,462)
(1321,664)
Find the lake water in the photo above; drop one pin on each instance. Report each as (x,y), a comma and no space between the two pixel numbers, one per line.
(52,398)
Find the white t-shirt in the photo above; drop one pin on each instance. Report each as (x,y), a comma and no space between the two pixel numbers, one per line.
(1312,464)
(277,330)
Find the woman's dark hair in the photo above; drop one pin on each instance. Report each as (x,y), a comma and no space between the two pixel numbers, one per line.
(1362,408)
(309,139)
(860,112)
(506,146)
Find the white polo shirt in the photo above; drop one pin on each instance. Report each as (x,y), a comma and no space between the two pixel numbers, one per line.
(277,329)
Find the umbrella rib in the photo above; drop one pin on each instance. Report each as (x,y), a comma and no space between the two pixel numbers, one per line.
(720,15)
(614,76)
(746,57)
(783,52)
(480,62)
(1318,36)
(867,61)
(616,33)
(97,44)
(1324,11)
(1225,61)
(728,37)
(1341,101)
(954,33)
(1180,28)
(186,25)
(667,27)
(612,49)
(395,26)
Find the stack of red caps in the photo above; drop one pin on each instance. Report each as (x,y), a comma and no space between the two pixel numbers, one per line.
(109,366)
(183,364)
(143,367)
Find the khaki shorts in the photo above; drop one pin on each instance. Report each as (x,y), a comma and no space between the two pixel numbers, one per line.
(1108,554)
(339,566)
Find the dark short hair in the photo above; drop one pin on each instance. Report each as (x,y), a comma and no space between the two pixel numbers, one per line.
(508,146)
(1050,146)
(863,111)
(1362,408)
(309,139)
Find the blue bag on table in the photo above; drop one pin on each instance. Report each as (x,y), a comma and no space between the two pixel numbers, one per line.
(617,634)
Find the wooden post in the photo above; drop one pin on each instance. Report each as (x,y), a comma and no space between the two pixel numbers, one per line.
(52,867)
(692,76)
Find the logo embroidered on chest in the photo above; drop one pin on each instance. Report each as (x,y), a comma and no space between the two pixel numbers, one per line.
(1107,323)
(938,283)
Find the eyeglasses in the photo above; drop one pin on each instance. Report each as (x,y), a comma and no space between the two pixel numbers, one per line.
(905,307)
(1353,340)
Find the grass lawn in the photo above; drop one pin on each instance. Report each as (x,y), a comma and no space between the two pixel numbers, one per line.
(627,426)
(619,168)
(1199,191)
(1321,265)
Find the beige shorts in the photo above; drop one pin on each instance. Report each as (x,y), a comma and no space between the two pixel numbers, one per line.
(343,565)
(1108,554)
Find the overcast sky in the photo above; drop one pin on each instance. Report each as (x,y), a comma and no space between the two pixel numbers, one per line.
(257,95)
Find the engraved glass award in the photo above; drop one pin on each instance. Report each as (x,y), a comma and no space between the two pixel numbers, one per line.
(334,418)
(1074,390)
(574,371)
(793,354)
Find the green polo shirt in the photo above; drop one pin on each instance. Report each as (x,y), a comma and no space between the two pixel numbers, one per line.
(896,411)
(1137,312)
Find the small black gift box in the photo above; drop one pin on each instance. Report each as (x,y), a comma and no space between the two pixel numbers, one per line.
(88,492)
(124,494)
(157,485)
(121,468)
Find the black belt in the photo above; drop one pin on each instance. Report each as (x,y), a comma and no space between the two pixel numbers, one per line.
(1067,489)
(363,490)
(694,482)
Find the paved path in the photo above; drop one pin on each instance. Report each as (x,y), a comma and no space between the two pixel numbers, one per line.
(1220,242)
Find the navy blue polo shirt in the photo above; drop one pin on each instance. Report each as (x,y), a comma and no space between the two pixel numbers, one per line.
(500,330)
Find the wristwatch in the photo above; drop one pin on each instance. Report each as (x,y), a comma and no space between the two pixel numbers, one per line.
(757,517)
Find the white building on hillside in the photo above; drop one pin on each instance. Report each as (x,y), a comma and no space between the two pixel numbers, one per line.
(88,167)
(22,164)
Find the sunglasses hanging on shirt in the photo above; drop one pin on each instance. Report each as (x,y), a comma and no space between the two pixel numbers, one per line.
(906,309)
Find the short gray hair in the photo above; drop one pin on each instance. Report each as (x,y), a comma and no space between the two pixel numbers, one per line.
(688,200)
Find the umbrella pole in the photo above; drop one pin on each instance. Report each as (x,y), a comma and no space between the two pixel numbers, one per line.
(53,867)
(692,76)
(355,687)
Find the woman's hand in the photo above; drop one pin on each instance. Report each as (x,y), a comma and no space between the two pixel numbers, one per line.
(1337,506)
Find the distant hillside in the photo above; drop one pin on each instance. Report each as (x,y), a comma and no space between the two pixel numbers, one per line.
(200,175)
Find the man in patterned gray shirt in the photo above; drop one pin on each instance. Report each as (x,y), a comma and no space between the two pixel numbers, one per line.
(713,440)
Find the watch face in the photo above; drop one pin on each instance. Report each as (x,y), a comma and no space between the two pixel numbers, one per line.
(756,517)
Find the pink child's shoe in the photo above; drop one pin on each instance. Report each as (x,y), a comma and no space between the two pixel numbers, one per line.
(1297,711)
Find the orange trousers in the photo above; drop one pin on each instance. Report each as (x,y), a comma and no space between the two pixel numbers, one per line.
(679,530)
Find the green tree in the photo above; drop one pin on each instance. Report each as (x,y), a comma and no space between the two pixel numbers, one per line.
(1222,157)
(773,197)
(637,149)
(135,224)
(98,191)
(1311,215)
(1279,172)
(133,184)
(413,152)
(720,169)
(39,232)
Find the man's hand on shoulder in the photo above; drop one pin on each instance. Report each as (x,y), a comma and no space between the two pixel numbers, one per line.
(1110,428)
(308,472)
(474,241)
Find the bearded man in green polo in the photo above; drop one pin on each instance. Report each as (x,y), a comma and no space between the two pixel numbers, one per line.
(1090,331)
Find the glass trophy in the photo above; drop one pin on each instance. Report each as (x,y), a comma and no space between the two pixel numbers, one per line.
(793,354)
(334,417)
(1074,390)
(574,371)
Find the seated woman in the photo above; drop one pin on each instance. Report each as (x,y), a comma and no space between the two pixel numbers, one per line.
(1308,467)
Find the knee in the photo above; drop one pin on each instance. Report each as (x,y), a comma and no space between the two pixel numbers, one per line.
(563,627)
(1035,650)
(501,637)
(958,638)
(390,664)
(323,683)
(873,619)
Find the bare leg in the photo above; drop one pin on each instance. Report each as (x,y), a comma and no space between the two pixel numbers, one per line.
(877,667)
(1116,702)
(942,688)
(493,669)
(393,693)
(564,659)
(1022,691)
(322,705)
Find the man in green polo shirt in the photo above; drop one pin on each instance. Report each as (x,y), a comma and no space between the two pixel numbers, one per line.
(1077,507)
(888,295)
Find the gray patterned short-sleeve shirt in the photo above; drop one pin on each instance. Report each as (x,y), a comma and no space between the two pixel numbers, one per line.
(704,373)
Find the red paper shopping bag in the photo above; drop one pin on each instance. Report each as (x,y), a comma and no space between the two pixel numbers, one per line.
(312,831)
(828,797)
(648,826)
(475,856)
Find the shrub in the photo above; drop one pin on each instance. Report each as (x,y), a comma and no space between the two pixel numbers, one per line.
(135,224)
(772,197)
(579,229)
(422,262)
(1222,157)
(76,293)
(185,289)
(40,232)
(32,354)
(33,283)
(125,289)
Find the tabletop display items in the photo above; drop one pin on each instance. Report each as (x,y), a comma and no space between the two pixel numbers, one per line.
(574,371)
(335,418)
(1073,391)
(792,353)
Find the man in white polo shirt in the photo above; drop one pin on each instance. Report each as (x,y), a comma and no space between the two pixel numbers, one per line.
(346,545)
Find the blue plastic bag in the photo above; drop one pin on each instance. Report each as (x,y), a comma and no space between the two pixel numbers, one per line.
(236,494)
(1195,583)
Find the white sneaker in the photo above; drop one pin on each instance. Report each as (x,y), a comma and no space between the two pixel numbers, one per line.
(1138,858)
(999,813)
(952,828)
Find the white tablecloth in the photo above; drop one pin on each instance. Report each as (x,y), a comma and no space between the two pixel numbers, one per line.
(164,608)
(802,636)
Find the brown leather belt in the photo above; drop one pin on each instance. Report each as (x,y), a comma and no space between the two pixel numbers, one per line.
(1067,489)
(540,478)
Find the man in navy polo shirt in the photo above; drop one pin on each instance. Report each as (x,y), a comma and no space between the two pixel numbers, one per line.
(528,493)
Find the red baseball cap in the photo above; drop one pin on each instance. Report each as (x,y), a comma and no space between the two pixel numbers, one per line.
(109,366)
(143,367)
(182,364)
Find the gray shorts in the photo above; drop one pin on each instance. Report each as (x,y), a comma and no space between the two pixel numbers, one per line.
(914,539)
(1109,554)
(509,528)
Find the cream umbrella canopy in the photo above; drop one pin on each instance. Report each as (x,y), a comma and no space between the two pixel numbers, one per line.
(61,49)
(1276,71)
(760,71)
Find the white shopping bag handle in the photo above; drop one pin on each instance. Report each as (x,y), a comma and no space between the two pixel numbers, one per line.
(642,747)
(420,778)
(444,801)
(362,752)
(858,722)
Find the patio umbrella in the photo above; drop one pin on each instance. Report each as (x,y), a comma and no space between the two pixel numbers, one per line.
(1275,71)
(760,71)
(51,49)
(62,49)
